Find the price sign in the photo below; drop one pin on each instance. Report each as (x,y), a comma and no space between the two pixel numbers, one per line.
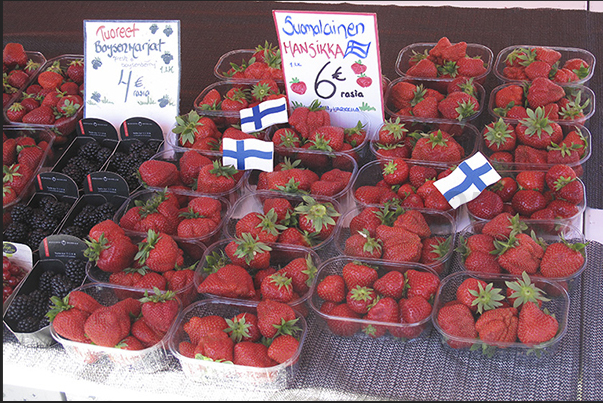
(132,69)
(333,58)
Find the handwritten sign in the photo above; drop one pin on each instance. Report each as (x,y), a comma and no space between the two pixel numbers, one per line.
(334,58)
(132,69)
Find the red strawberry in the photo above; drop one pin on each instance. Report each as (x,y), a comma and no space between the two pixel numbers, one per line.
(527,201)
(339,325)
(458,106)
(277,287)
(331,288)
(536,69)
(486,205)
(30,156)
(562,259)
(424,68)
(75,71)
(411,310)
(43,115)
(17,78)
(547,55)
(306,119)
(157,173)
(283,348)
(130,343)
(358,274)
(302,271)
(498,325)
(391,284)
(192,129)
(361,244)
(543,91)
(500,136)
(16,112)
(418,174)
(457,320)
(14,55)
(359,299)
(471,66)
(392,132)
(107,327)
(578,66)
(160,310)
(17,177)
(83,301)
(297,86)
(216,178)
(437,146)
(364,81)
(358,67)
(216,346)
(423,283)
(252,354)
(230,281)
(275,318)
(535,326)
(385,310)
(50,79)
(145,333)
(481,261)
(197,327)
(243,327)
(327,138)
(69,322)
(516,257)
(159,252)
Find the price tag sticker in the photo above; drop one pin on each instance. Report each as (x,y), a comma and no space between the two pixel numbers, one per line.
(333,58)
(132,69)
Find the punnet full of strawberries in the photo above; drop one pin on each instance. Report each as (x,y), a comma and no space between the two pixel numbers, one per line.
(264,62)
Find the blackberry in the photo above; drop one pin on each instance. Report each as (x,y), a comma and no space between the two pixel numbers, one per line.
(75,173)
(75,269)
(15,232)
(39,303)
(86,218)
(146,154)
(55,209)
(19,308)
(90,166)
(75,231)
(44,321)
(135,147)
(61,285)
(35,237)
(44,281)
(29,324)
(103,155)
(116,160)
(105,211)
(45,200)
(39,220)
(89,150)
(20,212)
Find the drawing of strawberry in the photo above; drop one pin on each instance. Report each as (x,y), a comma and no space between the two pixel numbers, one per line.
(364,81)
(299,87)
(358,67)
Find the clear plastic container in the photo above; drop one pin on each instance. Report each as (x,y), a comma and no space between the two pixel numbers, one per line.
(397,332)
(558,305)
(227,375)
(549,231)
(441,87)
(149,360)
(566,54)
(571,93)
(441,224)
(238,57)
(46,161)
(65,131)
(35,57)
(566,127)
(473,50)
(254,202)
(194,246)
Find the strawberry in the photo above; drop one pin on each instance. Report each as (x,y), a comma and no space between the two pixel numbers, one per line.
(252,354)
(483,262)
(411,310)
(14,55)
(157,173)
(83,301)
(151,280)
(391,284)
(16,112)
(283,348)
(277,287)
(50,79)
(231,281)
(243,327)
(423,283)
(8,195)
(17,78)
(562,259)
(192,128)
(536,69)
(500,136)
(249,252)
(531,180)
(535,326)
(327,138)
(294,236)
(437,146)
(563,75)
(486,205)
(342,327)
(516,257)
(392,132)
(547,55)
(505,188)
(43,115)
(146,334)
(563,208)
(424,68)
(543,91)
(17,177)
(402,93)
(457,320)
(358,68)
(297,86)
(418,174)
(159,252)
(572,191)
(302,271)
(578,66)
(359,299)
(527,201)
(307,119)
(68,321)
(75,71)
(435,249)
(275,318)
(331,288)
(427,108)
(215,346)
(211,100)
(107,327)
(130,343)
(217,178)
(197,327)
(361,244)
(358,274)
(413,221)
(316,216)
(498,325)
(559,174)
(538,131)
(385,310)
(160,310)
(69,105)
(234,100)
(30,156)
(458,106)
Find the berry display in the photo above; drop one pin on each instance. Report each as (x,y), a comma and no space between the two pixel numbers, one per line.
(89,216)
(125,163)
(89,158)
(12,275)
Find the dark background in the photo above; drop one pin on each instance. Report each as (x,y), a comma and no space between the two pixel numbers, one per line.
(210,29)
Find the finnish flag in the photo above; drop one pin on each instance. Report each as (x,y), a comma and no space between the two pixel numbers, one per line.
(248,154)
(467,181)
(263,115)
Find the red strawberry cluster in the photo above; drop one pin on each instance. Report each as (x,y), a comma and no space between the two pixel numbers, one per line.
(21,157)
(361,297)
(12,275)
(175,214)
(460,102)
(529,63)
(129,324)
(496,317)
(397,235)
(157,261)
(503,245)
(54,98)
(446,60)
(399,181)
(313,173)
(264,338)
(556,103)
(544,195)
(247,268)
(17,68)
(265,63)
(192,171)
(303,221)
(535,141)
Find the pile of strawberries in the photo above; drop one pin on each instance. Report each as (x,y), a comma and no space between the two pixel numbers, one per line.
(295,220)
(21,157)
(53,98)
(360,297)
(541,98)
(556,193)
(265,337)
(265,63)
(503,245)
(529,63)
(446,60)
(12,275)
(496,317)
(396,234)
(247,268)
(129,324)
(460,102)
(17,68)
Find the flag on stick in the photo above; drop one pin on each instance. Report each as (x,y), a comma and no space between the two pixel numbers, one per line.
(248,154)
(263,115)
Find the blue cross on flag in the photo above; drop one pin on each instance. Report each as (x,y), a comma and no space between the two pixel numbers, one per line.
(468,180)
(248,154)
(263,115)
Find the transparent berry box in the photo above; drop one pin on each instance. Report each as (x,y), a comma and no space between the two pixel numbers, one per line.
(566,127)
(227,375)
(195,246)
(255,202)
(567,53)
(558,305)
(442,228)
(237,57)
(215,257)
(35,57)
(546,232)
(148,360)
(473,50)
(64,130)
(360,327)
(576,93)
(442,87)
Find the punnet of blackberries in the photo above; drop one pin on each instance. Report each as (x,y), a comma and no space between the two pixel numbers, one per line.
(88,217)
(127,158)
(89,158)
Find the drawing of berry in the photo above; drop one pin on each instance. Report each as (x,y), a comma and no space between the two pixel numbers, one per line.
(96,63)
(96,96)
(167,57)
(164,101)
(299,87)
(358,67)
(364,81)
(168,30)
(154,28)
